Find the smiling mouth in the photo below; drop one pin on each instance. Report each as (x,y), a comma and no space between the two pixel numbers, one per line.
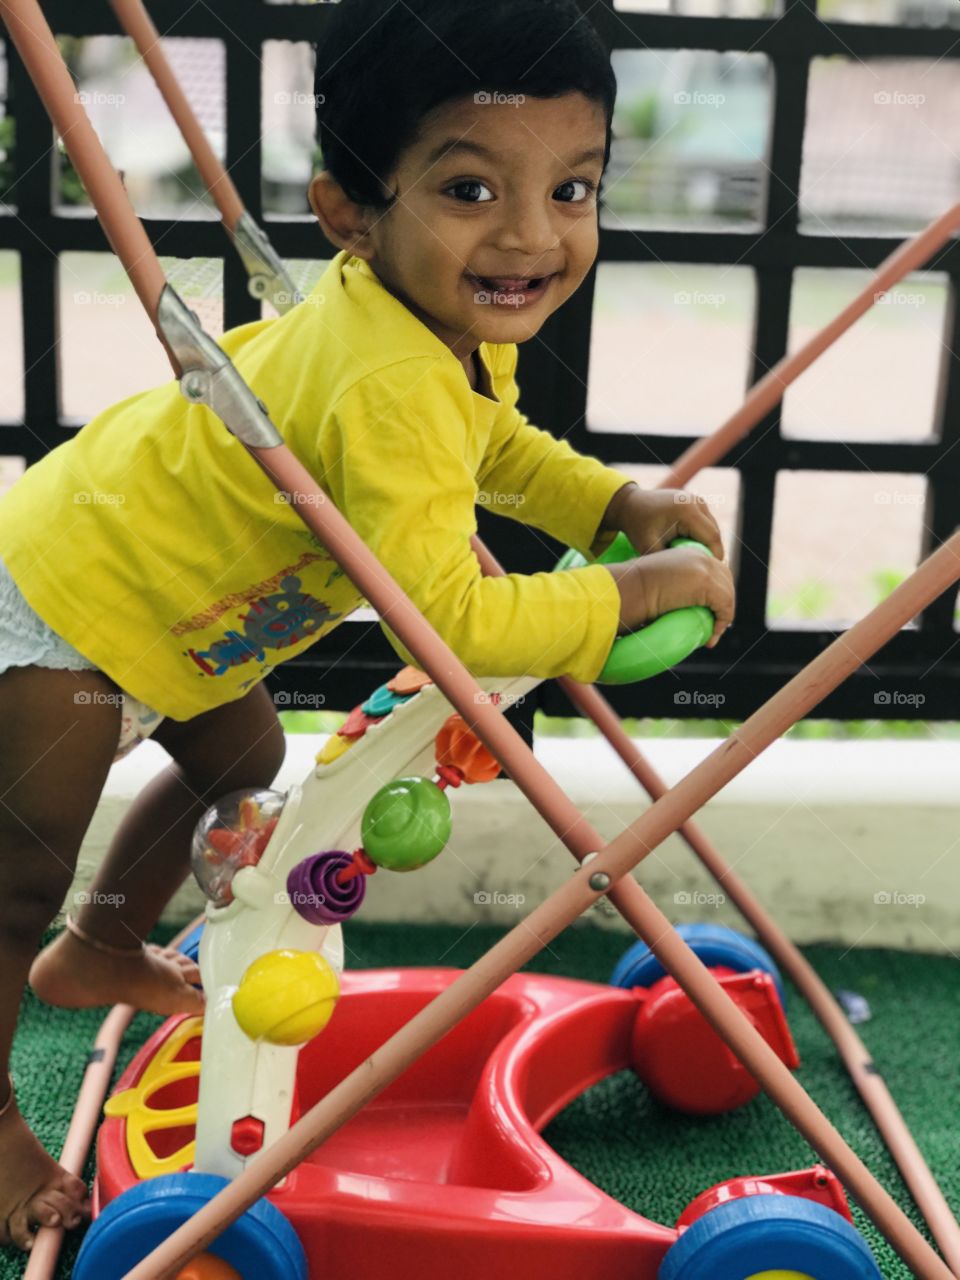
(510,284)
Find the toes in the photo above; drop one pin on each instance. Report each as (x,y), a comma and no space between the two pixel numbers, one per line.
(193,1001)
(18,1225)
(190,972)
(75,1189)
(55,1209)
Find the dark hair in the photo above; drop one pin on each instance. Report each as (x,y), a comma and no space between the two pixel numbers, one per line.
(382,66)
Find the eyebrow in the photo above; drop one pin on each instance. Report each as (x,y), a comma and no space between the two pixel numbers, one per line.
(453,145)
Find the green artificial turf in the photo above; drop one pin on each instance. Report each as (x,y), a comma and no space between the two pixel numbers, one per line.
(653,1160)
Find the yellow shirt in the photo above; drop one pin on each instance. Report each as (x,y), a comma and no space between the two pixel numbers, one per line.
(155,545)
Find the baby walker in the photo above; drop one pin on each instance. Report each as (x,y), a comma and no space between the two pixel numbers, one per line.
(396,1113)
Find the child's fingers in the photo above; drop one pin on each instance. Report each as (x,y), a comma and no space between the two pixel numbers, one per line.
(701,525)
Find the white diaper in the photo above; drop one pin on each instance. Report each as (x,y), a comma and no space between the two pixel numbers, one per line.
(26,640)
(137,722)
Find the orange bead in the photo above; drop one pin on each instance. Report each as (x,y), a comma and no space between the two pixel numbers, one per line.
(408,681)
(460,748)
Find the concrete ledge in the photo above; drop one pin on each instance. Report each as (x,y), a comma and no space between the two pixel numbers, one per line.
(851,843)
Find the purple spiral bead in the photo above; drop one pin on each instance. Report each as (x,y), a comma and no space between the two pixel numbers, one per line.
(316,894)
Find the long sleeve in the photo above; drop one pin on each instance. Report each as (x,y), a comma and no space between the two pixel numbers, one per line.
(530,476)
(395,457)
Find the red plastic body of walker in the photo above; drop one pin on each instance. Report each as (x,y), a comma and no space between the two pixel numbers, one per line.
(446,1168)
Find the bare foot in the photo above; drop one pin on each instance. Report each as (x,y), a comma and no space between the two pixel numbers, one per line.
(74,975)
(34,1190)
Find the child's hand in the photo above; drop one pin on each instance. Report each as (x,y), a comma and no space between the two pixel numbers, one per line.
(674,579)
(652,518)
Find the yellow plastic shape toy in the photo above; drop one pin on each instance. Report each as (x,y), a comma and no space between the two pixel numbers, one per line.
(143,1118)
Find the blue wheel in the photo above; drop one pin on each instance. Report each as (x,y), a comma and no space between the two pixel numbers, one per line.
(780,1235)
(190,946)
(713,944)
(262,1245)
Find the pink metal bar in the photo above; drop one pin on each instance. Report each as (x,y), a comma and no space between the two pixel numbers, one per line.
(768,392)
(135,20)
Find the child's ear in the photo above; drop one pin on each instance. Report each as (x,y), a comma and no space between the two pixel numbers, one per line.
(344,222)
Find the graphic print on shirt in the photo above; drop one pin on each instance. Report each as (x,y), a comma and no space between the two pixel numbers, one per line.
(271,622)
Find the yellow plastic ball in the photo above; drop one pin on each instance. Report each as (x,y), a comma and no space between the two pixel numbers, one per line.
(286,997)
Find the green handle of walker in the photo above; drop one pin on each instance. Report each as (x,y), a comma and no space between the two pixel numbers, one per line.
(662,643)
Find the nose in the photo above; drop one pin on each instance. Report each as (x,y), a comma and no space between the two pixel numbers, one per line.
(526,230)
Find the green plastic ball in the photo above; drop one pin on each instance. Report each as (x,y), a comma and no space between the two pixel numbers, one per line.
(406,824)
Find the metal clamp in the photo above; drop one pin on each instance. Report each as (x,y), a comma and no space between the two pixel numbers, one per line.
(210,377)
(269,277)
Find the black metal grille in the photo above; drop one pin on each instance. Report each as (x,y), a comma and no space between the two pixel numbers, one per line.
(753,660)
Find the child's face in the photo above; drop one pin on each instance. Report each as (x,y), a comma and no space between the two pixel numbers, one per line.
(522,211)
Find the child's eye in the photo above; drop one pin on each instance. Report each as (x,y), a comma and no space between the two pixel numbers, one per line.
(590,188)
(468,182)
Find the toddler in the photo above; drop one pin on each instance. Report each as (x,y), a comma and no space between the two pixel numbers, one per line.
(152,576)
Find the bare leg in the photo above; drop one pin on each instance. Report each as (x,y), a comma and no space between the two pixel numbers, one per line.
(238,745)
(58,736)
